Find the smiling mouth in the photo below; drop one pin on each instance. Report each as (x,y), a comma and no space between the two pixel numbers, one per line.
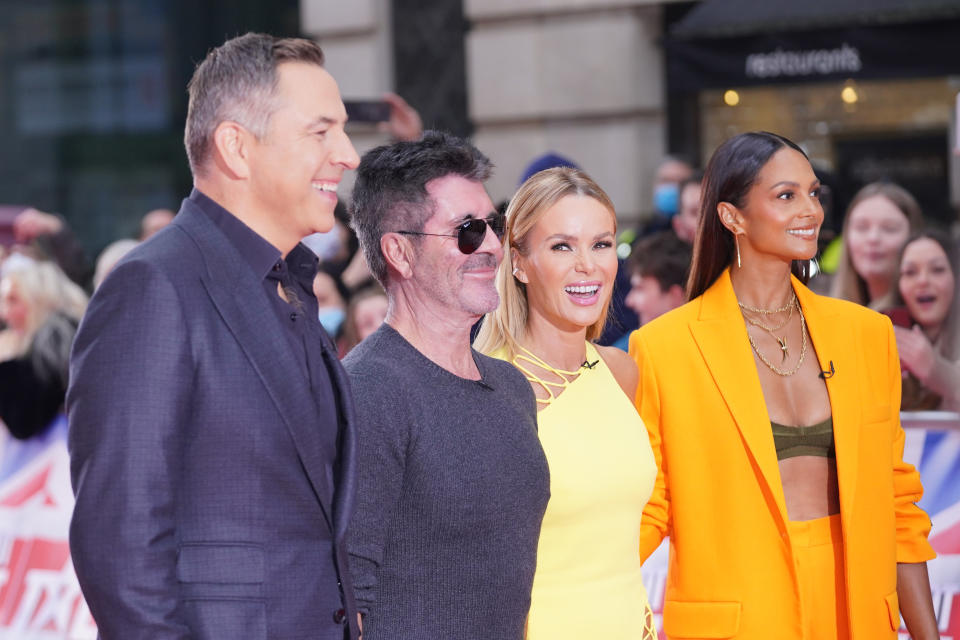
(582,291)
(803,233)
(325,187)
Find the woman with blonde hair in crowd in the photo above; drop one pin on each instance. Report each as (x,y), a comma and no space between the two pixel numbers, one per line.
(928,333)
(774,417)
(555,284)
(879,219)
(41,308)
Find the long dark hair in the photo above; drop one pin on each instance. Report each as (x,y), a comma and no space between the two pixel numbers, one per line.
(731,172)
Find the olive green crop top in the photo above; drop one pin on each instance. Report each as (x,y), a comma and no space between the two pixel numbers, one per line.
(815,440)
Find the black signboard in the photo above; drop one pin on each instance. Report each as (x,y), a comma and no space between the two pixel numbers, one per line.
(922,49)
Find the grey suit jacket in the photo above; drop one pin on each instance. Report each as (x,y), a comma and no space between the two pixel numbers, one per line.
(195,456)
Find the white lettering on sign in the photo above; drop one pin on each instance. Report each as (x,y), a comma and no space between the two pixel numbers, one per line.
(822,62)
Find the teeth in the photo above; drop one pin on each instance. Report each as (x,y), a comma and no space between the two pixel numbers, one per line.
(801,232)
(325,187)
(582,289)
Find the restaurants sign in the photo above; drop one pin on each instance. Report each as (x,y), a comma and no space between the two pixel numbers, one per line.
(786,57)
(811,62)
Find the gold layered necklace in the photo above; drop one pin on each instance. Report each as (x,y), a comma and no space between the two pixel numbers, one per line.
(782,341)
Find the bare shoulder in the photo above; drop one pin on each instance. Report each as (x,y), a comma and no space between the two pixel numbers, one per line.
(623,368)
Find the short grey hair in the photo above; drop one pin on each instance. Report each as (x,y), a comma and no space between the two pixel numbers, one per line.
(390,193)
(237,81)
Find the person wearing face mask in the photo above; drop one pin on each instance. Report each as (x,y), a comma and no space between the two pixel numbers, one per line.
(773,414)
(331,298)
(555,287)
(670,174)
(930,348)
(666,185)
(879,220)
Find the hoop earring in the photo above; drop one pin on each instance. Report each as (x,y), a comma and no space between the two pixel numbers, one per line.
(736,241)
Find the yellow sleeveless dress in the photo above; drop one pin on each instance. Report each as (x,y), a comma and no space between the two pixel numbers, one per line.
(588,582)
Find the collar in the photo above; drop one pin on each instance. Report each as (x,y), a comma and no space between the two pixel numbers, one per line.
(259,254)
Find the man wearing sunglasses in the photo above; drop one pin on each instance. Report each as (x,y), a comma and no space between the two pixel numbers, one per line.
(452,481)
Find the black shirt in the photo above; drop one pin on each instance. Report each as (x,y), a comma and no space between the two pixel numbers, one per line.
(298,317)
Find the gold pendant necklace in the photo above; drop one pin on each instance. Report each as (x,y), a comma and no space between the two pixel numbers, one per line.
(785,350)
(783,346)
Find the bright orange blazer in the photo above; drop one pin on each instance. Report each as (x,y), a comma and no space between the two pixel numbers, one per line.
(718,494)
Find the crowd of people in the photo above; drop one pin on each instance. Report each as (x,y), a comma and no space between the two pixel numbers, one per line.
(423,415)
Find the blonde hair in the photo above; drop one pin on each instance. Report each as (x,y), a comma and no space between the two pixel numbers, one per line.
(847,283)
(46,290)
(503,327)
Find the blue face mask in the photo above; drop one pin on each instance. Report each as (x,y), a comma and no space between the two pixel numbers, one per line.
(331,318)
(666,199)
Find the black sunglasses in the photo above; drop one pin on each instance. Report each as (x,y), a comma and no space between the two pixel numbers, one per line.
(471,233)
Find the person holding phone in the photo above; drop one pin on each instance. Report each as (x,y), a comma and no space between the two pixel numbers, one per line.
(929,340)
(774,419)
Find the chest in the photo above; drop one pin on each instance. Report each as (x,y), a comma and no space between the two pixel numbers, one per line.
(467,470)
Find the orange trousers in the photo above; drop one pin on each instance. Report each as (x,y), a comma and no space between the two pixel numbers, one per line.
(818,554)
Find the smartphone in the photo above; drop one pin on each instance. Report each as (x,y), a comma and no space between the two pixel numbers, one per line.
(367,110)
(900,317)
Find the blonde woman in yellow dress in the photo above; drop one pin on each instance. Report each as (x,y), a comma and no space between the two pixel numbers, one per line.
(555,284)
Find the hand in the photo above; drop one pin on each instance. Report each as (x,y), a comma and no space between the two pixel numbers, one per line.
(916,352)
(405,123)
(32,223)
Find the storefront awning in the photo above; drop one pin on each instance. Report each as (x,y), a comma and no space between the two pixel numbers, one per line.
(729,18)
(724,43)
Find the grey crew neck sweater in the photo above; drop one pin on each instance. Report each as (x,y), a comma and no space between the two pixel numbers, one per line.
(452,486)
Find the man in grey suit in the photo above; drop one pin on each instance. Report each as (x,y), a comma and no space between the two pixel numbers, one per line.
(211,430)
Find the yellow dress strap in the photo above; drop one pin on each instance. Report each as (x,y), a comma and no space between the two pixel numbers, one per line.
(522,361)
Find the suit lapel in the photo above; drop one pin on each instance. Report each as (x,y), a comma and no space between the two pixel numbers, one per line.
(721,335)
(834,342)
(236,293)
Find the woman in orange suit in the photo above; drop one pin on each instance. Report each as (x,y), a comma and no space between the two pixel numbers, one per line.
(774,418)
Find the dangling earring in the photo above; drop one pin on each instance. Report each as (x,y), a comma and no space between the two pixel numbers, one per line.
(736,240)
